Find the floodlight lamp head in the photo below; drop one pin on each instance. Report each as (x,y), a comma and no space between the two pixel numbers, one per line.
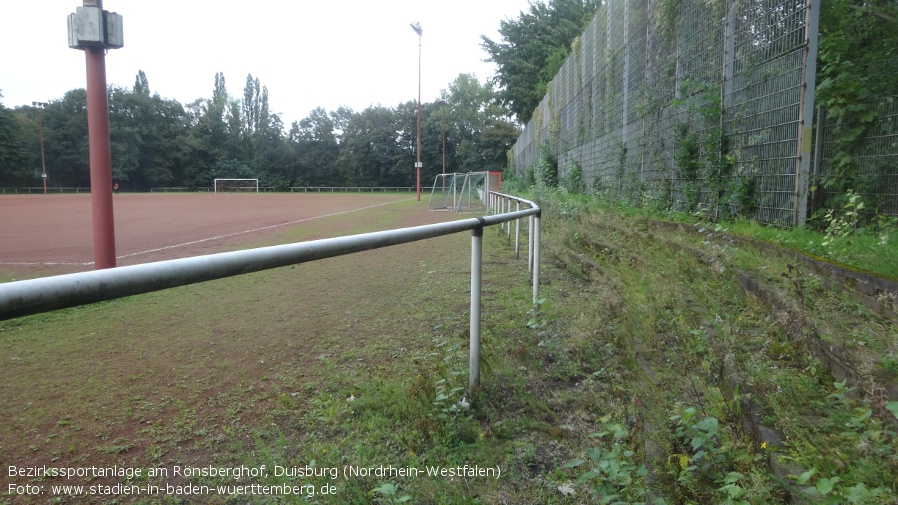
(417,27)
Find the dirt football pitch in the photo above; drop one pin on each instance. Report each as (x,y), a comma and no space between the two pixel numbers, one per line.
(212,373)
(52,234)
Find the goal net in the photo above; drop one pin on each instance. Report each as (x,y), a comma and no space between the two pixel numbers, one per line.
(474,195)
(236,185)
(463,192)
(445,191)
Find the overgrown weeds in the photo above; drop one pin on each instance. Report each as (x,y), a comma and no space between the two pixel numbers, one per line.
(646,373)
(731,401)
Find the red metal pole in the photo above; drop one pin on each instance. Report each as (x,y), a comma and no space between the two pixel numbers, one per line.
(100,159)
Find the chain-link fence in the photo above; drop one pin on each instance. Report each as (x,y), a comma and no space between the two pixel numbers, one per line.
(706,109)
(868,165)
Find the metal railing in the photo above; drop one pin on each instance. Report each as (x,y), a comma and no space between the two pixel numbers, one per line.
(40,190)
(35,296)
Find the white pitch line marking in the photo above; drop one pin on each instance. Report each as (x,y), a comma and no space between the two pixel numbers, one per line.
(192,242)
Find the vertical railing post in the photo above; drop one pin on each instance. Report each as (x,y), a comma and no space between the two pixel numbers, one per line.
(476,282)
(508,224)
(506,204)
(517,233)
(530,244)
(501,211)
(535,239)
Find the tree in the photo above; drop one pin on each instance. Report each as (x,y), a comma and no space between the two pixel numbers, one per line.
(16,159)
(400,169)
(141,84)
(498,137)
(255,106)
(275,156)
(66,146)
(318,148)
(207,139)
(157,142)
(532,49)
(147,135)
(378,147)
(478,133)
(341,118)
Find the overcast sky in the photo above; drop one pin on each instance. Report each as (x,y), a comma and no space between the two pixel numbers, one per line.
(324,53)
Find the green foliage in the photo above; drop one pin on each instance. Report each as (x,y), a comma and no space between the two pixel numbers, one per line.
(374,148)
(316,141)
(147,138)
(537,320)
(842,225)
(533,47)
(687,154)
(850,234)
(477,131)
(687,159)
(707,458)
(614,471)
(389,493)
(17,152)
(158,142)
(703,160)
(858,62)
(740,199)
(573,179)
(449,402)
(222,169)
(669,17)
(871,443)
(546,171)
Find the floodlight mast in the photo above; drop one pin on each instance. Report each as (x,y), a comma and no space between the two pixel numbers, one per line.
(94,31)
(442,105)
(417,27)
(40,122)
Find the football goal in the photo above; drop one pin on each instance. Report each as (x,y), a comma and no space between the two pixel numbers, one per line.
(445,191)
(236,185)
(464,192)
